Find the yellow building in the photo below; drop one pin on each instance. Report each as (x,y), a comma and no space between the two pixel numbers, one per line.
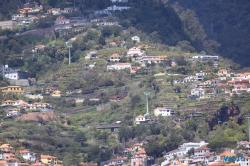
(56,93)
(13,89)
(47,159)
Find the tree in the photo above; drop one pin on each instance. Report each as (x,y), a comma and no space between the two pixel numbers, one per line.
(153,148)
(185,46)
(135,99)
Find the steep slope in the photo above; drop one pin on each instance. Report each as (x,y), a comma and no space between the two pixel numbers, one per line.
(227,22)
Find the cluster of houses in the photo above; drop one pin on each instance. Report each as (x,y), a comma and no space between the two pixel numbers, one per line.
(136,55)
(137,156)
(9,153)
(229,83)
(187,154)
(14,107)
(193,154)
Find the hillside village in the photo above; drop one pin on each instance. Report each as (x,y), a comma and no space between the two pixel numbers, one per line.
(94,92)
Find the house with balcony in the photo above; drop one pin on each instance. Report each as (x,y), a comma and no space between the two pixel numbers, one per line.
(141,119)
(14,102)
(200,76)
(117,8)
(11,73)
(119,66)
(27,155)
(18,17)
(12,89)
(201,151)
(135,52)
(61,20)
(54,11)
(183,149)
(12,113)
(49,160)
(198,92)
(115,57)
(136,38)
(6,148)
(222,72)
(163,111)
(67,10)
(140,158)
(204,58)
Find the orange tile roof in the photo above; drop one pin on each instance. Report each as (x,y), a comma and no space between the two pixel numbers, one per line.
(129,149)
(23,151)
(227,153)
(47,157)
(115,55)
(217,164)
(24,164)
(203,148)
(37,164)
(121,64)
(207,155)
(5,146)
(3,162)
(178,163)
(142,151)
(9,154)
(137,144)
(121,158)
(140,116)
(233,164)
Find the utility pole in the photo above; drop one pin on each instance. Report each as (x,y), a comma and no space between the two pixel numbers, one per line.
(248,119)
(147,94)
(69,46)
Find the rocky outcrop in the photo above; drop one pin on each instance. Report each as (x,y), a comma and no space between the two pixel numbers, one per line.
(223,115)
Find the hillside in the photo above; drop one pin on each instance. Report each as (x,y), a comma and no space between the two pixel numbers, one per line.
(89,104)
(227,22)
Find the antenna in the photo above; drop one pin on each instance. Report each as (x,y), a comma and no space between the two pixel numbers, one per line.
(147,94)
(69,46)
(248,117)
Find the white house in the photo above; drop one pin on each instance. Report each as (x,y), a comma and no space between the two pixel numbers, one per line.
(124,1)
(12,113)
(102,12)
(119,66)
(163,111)
(140,119)
(198,92)
(115,57)
(190,79)
(136,38)
(183,149)
(54,11)
(200,76)
(106,23)
(67,10)
(134,51)
(14,74)
(115,8)
(27,155)
(201,151)
(14,103)
(60,20)
(17,17)
(205,58)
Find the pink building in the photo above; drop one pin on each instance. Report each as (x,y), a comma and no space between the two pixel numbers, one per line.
(139,158)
